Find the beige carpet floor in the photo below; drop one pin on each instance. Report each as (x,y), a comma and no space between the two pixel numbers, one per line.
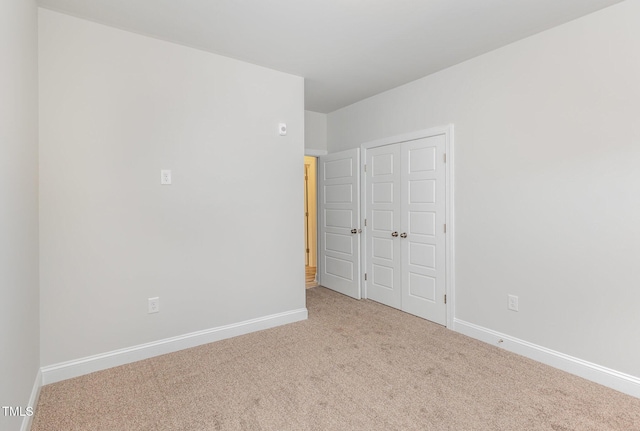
(354,365)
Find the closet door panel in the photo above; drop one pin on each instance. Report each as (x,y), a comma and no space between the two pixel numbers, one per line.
(422,219)
(383,219)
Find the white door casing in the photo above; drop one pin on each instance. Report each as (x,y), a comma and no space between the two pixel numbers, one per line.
(339,229)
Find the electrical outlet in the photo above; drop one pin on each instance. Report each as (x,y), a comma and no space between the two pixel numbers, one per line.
(512,302)
(154,305)
(165,176)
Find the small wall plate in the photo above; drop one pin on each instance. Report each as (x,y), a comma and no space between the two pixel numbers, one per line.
(282,129)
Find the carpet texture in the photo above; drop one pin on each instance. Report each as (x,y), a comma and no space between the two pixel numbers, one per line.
(354,365)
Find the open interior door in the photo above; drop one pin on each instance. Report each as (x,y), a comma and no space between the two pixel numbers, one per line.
(339,230)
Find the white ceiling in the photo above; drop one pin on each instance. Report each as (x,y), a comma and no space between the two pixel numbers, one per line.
(346,50)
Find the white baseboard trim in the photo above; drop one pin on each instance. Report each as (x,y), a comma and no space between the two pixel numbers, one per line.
(33,402)
(66,370)
(622,382)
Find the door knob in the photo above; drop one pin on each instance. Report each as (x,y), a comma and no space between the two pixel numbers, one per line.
(403,235)
(394,234)
(354,230)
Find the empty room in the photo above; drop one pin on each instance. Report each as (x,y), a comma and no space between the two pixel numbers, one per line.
(319,215)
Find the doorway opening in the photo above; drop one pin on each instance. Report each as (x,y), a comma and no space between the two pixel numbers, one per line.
(310,221)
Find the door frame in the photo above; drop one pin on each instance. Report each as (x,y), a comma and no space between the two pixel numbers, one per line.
(447,131)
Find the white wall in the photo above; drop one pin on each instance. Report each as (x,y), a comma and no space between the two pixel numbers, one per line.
(221,245)
(547,181)
(315,131)
(19,314)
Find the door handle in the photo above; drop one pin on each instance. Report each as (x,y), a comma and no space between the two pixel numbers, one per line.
(394,234)
(354,230)
(403,235)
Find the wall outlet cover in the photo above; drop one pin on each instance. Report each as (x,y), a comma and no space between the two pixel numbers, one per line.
(154,305)
(165,176)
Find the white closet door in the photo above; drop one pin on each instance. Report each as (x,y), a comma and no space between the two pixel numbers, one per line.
(405,238)
(384,276)
(423,218)
(339,208)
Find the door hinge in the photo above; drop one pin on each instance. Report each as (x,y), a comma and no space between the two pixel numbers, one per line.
(307,250)
(365,167)
(445,157)
(365,222)
(365,276)
(445,298)
(445,228)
